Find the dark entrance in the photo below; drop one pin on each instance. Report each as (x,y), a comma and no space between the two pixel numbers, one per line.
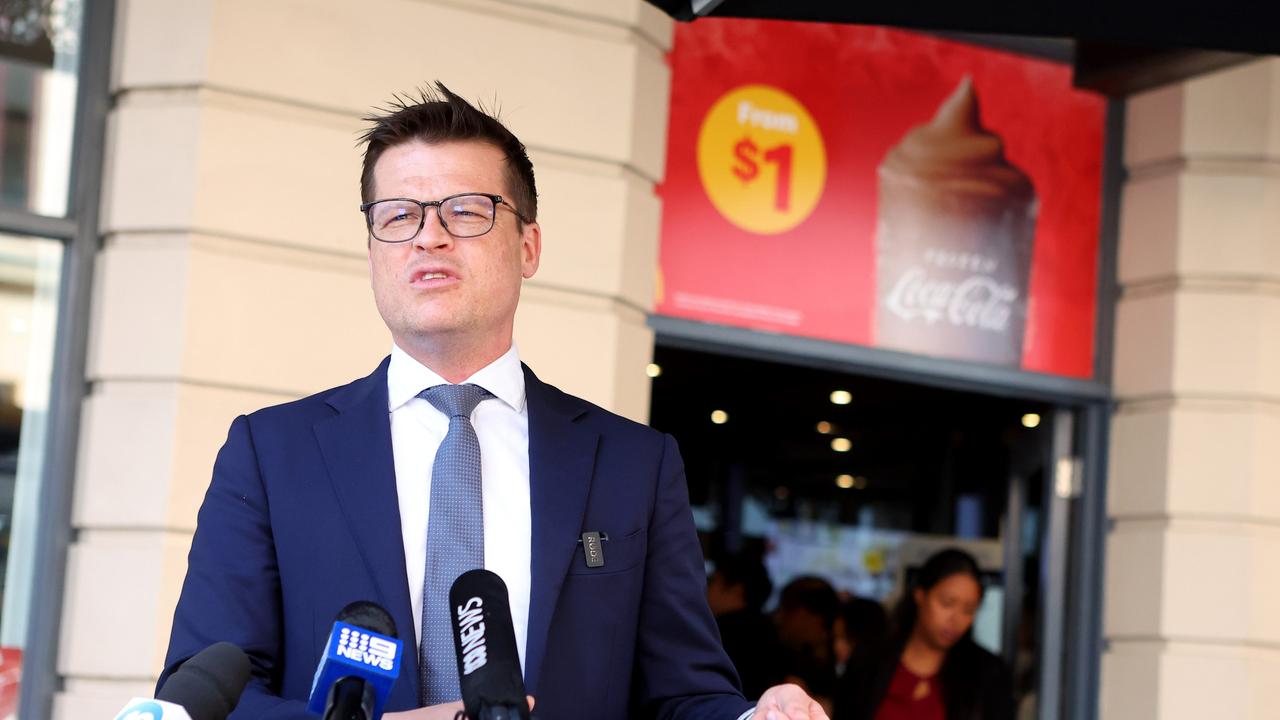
(857,478)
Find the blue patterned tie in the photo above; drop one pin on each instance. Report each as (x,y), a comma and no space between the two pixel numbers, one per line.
(455,535)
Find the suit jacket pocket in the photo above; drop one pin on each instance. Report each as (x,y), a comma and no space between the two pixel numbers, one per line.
(620,555)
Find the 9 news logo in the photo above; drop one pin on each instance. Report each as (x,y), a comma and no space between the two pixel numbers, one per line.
(366,648)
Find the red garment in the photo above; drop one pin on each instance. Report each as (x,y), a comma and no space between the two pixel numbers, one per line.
(901,702)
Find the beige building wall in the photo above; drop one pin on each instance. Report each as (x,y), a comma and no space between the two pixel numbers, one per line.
(1193,561)
(233,272)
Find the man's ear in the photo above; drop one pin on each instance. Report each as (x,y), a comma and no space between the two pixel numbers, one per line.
(530,249)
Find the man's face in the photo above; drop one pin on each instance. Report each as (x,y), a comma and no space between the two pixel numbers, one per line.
(437,287)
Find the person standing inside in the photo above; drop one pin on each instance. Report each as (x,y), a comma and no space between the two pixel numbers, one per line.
(453,455)
(930,668)
(861,621)
(804,618)
(736,592)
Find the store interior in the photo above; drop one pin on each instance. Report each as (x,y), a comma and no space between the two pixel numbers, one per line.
(855,478)
(845,448)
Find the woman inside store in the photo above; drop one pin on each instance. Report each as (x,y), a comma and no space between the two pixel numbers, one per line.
(929,667)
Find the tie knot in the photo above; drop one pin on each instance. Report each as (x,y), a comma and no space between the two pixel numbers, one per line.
(455,400)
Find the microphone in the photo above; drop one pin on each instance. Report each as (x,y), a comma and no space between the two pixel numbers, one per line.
(488,662)
(205,687)
(361,662)
(148,709)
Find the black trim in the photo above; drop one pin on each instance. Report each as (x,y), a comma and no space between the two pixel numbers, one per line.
(1107,293)
(1121,70)
(936,372)
(1053,49)
(1083,623)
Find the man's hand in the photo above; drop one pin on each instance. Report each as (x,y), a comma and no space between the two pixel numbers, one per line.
(788,702)
(447,711)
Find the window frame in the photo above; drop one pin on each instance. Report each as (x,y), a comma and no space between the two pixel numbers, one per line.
(78,232)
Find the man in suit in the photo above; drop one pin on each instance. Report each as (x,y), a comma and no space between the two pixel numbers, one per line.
(343,495)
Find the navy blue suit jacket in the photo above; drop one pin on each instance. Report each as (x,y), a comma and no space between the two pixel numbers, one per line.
(302,517)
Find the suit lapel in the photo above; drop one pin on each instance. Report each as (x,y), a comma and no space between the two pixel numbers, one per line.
(561,462)
(356,445)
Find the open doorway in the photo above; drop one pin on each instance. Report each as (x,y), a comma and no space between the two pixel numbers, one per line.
(856,480)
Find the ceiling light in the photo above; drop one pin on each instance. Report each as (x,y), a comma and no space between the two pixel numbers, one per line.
(1030,420)
(841,444)
(844,482)
(653,370)
(841,397)
(824,427)
(719,417)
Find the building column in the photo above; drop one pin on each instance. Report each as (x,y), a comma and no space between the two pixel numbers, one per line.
(1193,558)
(233,272)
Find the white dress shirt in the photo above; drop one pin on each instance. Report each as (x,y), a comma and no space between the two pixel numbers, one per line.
(502,427)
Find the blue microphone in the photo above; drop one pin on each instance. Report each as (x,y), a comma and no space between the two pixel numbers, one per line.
(361,662)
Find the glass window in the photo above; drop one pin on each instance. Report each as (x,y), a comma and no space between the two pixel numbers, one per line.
(39,84)
(39,54)
(30,269)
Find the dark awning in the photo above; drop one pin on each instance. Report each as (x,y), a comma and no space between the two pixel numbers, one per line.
(1117,46)
(1239,25)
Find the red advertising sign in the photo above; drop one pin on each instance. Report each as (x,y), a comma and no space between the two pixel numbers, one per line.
(883,188)
(10,680)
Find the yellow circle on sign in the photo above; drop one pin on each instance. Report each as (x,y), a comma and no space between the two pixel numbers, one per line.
(761,159)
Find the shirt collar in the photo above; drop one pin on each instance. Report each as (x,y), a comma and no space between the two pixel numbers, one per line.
(406,377)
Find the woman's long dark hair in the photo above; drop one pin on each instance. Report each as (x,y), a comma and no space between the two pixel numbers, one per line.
(957,675)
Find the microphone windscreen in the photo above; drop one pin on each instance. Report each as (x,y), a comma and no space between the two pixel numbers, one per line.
(370,616)
(210,683)
(485,640)
(362,647)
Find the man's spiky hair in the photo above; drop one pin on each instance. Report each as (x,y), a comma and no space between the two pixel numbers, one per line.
(438,115)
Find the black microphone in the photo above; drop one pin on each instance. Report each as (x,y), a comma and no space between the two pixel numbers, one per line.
(488,662)
(360,664)
(208,685)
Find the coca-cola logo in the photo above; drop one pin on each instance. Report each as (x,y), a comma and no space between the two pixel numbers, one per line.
(977,301)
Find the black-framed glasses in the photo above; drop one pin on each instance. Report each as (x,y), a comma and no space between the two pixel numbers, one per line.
(466,215)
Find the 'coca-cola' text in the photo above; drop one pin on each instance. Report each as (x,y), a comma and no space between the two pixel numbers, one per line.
(978,301)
